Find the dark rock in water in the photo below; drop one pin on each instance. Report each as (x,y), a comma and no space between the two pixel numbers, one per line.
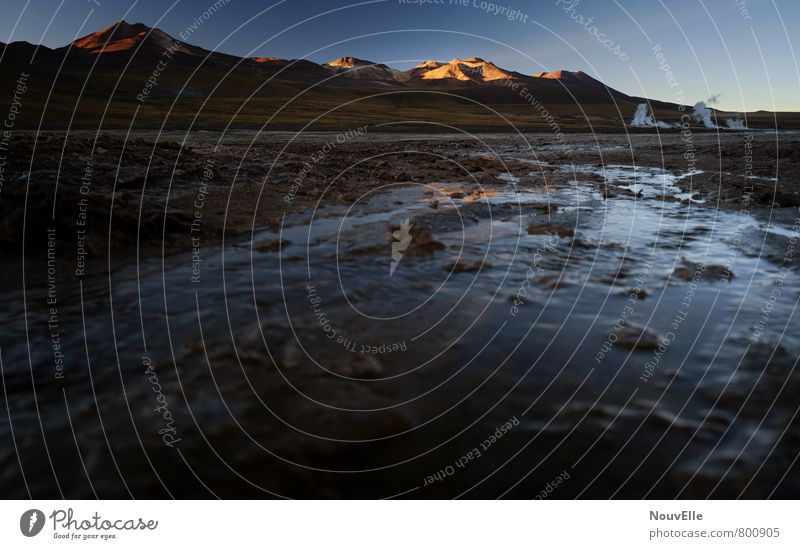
(666,198)
(463,266)
(685,272)
(422,243)
(547,208)
(560,229)
(271,245)
(352,253)
(717,272)
(691,270)
(552,282)
(637,338)
(580,243)
(606,191)
(640,293)
(620,190)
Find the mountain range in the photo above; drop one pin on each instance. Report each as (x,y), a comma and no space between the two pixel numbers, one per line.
(139,45)
(114,65)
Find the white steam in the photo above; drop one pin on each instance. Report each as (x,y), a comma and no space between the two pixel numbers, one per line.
(735,124)
(643,120)
(701,113)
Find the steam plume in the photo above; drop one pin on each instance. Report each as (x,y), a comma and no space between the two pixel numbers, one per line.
(640,118)
(643,120)
(735,124)
(701,113)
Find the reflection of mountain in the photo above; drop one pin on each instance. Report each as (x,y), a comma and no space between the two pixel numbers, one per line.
(108,69)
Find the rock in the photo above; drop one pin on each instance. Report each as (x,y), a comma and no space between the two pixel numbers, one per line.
(552,282)
(606,191)
(637,338)
(422,242)
(560,229)
(689,270)
(640,293)
(544,208)
(271,245)
(580,243)
(666,198)
(463,266)
(361,366)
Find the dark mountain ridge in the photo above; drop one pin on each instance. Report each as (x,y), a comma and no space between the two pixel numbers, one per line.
(100,77)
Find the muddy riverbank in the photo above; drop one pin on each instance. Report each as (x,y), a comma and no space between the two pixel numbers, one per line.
(149,188)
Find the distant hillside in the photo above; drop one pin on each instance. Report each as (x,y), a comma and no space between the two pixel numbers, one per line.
(106,77)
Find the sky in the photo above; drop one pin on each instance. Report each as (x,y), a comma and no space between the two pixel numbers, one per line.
(742,51)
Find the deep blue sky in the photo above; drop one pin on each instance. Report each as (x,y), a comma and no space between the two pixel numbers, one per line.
(710,45)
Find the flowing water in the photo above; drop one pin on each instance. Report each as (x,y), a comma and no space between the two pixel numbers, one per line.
(643,343)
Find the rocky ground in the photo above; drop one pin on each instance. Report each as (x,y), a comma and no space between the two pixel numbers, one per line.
(150,188)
